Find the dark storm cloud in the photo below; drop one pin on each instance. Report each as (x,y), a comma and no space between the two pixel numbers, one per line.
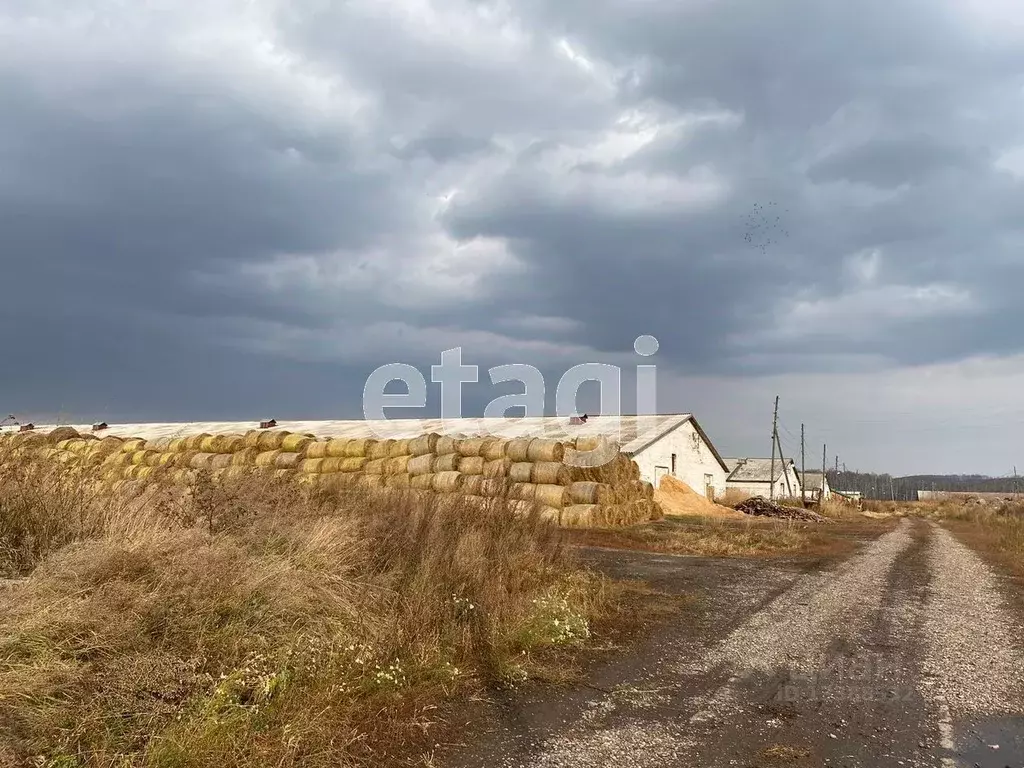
(806,181)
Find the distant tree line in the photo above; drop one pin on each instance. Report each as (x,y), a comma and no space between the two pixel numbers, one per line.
(885,486)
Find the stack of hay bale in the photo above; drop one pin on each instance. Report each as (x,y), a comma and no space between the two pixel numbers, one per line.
(530,471)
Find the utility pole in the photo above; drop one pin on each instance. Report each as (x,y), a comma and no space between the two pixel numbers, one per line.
(1015,482)
(775,436)
(803,469)
(785,466)
(821,493)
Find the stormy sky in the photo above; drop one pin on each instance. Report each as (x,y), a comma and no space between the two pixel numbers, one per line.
(235,209)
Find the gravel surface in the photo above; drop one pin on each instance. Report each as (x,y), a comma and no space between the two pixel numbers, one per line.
(905,655)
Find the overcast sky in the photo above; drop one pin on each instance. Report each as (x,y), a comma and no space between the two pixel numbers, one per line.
(239,208)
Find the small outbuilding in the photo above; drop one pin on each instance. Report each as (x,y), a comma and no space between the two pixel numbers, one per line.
(816,487)
(755,477)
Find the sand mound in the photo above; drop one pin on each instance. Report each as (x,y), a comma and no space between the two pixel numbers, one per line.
(677,498)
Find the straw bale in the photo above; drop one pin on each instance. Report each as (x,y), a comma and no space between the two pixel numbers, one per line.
(287,460)
(588,492)
(472,465)
(296,443)
(61,433)
(221,461)
(201,461)
(472,485)
(370,481)
(379,449)
(317,449)
(400,448)
(195,442)
(422,464)
(497,467)
(550,473)
(447,462)
(358,448)
(397,481)
(267,458)
(521,471)
(423,482)
(551,495)
(424,444)
(523,491)
(519,449)
(245,457)
(271,440)
(397,465)
(252,438)
(445,445)
(472,446)
(541,449)
(177,444)
(133,445)
(374,467)
(495,449)
(311,466)
(447,482)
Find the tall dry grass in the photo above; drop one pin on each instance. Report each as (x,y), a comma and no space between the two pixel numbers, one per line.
(258,623)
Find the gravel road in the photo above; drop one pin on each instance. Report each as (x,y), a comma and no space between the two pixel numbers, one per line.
(905,654)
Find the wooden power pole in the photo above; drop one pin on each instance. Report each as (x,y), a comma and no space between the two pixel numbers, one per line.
(803,468)
(775,435)
(821,493)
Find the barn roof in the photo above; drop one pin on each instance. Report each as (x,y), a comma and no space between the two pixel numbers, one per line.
(755,470)
(633,433)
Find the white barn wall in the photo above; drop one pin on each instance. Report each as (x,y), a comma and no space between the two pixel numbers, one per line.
(764,489)
(694,459)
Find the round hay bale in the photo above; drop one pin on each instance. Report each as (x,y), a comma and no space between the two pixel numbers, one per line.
(523,491)
(551,495)
(155,459)
(397,481)
(520,472)
(519,449)
(445,445)
(422,482)
(195,442)
(74,444)
(251,439)
(370,481)
(421,465)
(495,449)
(287,460)
(379,449)
(472,446)
(183,460)
(235,472)
(317,449)
(541,449)
(397,465)
(245,457)
(352,464)
(359,448)
(176,444)
(139,457)
(61,433)
(400,448)
(167,459)
(211,444)
(550,473)
(133,445)
(221,461)
(590,442)
(424,444)
(271,440)
(330,465)
(587,492)
(447,462)
(498,467)
(472,465)
(117,460)
(296,443)
(132,472)
(447,482)
(374,466)
(472,485)
(337,448)
(310,466)
(493,487)
(578,515)
(267,458)
(201,461)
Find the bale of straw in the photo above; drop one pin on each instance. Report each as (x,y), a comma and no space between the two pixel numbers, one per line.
(221,461)
(472,485)
(139,457)
(541,449)
(195,442)
(590,442)
(296,443)
(267,458)
(518,449)
(251,439)
(424,444)
(446,444)
(317,449)
(492,487)
(271,440)
(154,458)
(236,472)
(370,481)
(399,448)
(379,449)
(245,457)
(588,492)
(397,481)
(472,465)
(374,467)
(311,466)
(422,464)
(167,459)
(117,460)
(578,516)
(472,446)
(232,444)
(133,445)
(211,444)
(287,460)
(447,482)
(61,433)
(520,472)
(550,473)
(448,462)
(70,444)
(352,464)
(176,445)
(522,491)
(498,467)
(397,465)
(422,482)
(495,449)
(360,447)
(551,495)
(201,460)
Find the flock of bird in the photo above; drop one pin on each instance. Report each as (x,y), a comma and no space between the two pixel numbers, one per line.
(764,226)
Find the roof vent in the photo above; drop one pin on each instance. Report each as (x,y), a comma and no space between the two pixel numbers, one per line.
(268,424)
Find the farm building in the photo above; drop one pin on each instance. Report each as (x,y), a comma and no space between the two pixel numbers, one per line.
(813,486)
(668,444)
(754,477)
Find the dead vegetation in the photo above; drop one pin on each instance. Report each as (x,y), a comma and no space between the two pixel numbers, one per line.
(256,623)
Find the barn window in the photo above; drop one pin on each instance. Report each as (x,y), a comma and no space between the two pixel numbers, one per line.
(673,464)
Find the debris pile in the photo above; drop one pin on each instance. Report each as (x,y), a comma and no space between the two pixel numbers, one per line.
(762,507)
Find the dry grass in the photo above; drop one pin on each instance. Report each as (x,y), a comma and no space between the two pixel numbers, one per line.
(710,536)
(998,528)
(261,624)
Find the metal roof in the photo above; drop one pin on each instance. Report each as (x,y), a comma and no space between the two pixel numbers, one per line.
(633,433)
(754,470)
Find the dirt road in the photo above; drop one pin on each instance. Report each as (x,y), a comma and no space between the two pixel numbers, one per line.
(908,653)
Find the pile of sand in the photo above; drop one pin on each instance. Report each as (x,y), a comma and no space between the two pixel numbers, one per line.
(677,498)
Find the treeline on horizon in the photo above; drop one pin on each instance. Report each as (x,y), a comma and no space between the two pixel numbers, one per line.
(885,486)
